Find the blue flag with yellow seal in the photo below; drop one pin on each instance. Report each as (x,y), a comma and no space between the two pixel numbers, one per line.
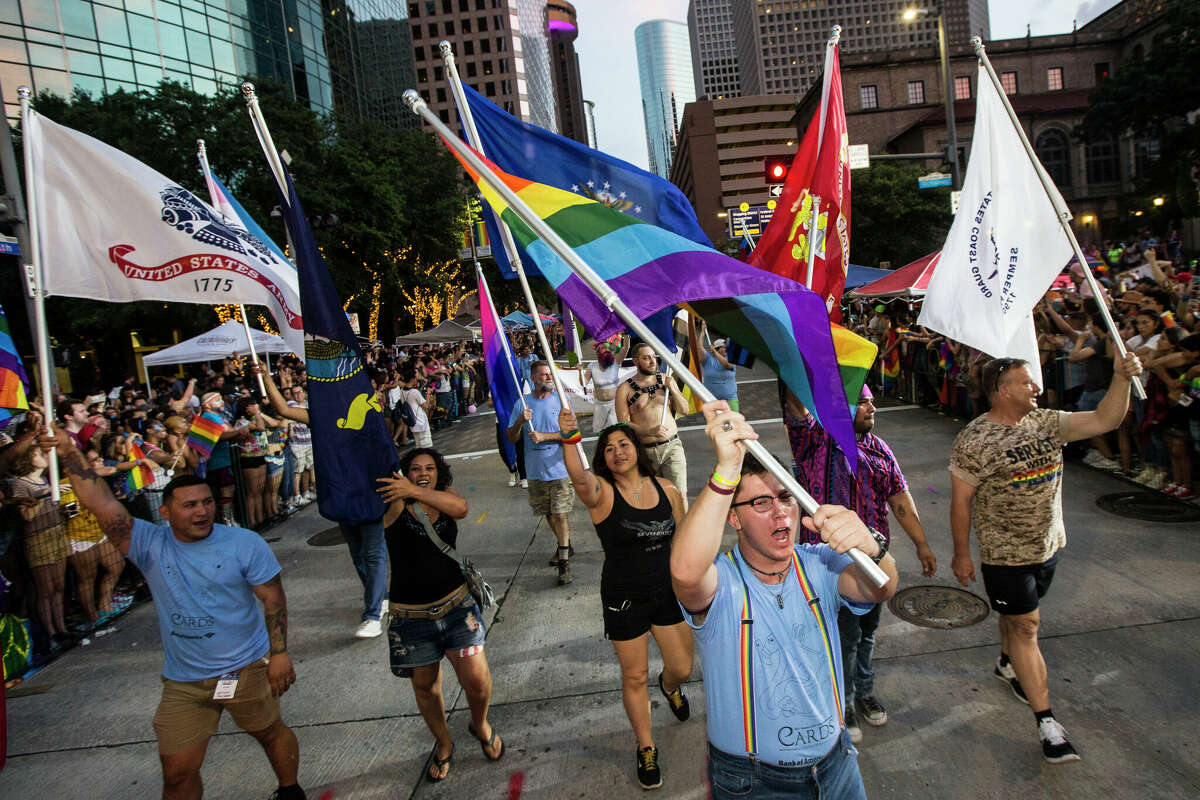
(351,446)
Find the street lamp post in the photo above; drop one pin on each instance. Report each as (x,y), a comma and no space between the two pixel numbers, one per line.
(947,88)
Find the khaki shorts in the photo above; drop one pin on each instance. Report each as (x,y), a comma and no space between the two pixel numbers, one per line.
(302,457)
(670,463)
(187,715)
(551,497)
(48,547)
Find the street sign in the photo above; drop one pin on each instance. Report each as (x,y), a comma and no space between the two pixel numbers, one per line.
(747,219)
(954,196)
(775,190)
(860,156)
(933,180)
(8,245)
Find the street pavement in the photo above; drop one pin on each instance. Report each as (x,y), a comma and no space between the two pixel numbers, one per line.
(1120,633)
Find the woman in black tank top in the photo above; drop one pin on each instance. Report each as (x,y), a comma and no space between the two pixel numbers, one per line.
(635,514)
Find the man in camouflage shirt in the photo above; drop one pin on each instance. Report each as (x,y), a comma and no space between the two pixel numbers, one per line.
(1006,480)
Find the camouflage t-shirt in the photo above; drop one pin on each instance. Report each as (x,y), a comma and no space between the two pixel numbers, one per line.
(1017,472)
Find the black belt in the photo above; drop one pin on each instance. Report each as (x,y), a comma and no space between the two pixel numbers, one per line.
(674,436)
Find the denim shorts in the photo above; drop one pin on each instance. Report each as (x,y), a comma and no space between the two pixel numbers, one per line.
(420,642)
(834,775)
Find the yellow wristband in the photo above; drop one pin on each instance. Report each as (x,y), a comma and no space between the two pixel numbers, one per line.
(722,481)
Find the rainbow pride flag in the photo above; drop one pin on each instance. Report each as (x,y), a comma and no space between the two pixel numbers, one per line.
(14,383)
(855,355)
(205,431)
(140,476)
(775,318)
(501,372)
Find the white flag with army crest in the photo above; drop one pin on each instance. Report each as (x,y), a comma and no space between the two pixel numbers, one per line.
(111,228)
(1005,246)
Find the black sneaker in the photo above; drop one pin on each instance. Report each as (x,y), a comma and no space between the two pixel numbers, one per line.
(1055,747)
(852,727)
(872,710)
(649,775)
(1007,674)
(564,572)
(679,704)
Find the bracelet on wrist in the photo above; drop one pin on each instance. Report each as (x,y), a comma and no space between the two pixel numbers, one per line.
(725,490)
(571,437)
(720,480)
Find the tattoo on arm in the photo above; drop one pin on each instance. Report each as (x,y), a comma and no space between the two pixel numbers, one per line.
(900,510)
(276,620)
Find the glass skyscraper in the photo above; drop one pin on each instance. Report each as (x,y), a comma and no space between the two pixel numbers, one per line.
(104,45)
(664,57)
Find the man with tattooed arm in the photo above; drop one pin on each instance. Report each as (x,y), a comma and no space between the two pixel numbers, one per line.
(220,652)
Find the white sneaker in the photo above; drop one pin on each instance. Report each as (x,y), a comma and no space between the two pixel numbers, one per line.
(512,479)
(310,495)
(524,483)
(368,629)
(1092,455)
(1157,480)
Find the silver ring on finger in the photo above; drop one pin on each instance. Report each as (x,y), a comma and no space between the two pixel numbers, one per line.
(726,425)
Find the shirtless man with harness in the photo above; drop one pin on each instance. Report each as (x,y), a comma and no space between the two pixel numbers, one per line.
(640,403)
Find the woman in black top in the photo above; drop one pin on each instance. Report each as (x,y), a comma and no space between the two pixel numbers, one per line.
(635,514)
(432,613)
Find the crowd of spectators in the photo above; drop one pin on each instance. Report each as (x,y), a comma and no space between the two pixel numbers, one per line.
(1153,296)
(58,570)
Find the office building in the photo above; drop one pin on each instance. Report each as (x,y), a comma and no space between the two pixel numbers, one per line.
(664,57)
(562,28)
(369,47)
(780,46)
(722,143)
(714,57)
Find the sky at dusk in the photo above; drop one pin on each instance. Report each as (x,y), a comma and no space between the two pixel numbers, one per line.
(608,60)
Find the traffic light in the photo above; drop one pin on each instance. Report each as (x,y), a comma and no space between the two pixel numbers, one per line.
(775,169)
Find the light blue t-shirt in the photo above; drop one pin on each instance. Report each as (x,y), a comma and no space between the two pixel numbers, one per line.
(720,381)
(208,616)
(796,710)
(524,364)
(544,461)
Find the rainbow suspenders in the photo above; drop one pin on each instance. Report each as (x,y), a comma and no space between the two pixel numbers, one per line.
(746,649)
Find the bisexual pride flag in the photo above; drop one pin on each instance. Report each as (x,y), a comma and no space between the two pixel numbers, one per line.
(351,445)
(501,372)
(784,324)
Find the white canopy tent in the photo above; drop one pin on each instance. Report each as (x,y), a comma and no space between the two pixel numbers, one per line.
(221,342)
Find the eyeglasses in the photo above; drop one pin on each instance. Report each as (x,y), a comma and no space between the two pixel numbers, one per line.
(762,504)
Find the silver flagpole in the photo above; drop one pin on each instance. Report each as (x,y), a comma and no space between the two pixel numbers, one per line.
(1060,209)
(34,271)
(834,36)
(812,238)
(499,326)
(510,246)
(612,301)
(268,147)
(202,152)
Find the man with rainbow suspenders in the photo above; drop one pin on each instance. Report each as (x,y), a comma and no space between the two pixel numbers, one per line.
(765,619)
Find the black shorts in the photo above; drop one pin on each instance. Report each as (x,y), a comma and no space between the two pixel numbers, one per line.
(628,615)
(1016,590)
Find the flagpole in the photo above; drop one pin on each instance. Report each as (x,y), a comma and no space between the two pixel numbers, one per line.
(34,271)
(612,301)
(510,246)
(263,133)
(812,238)
(202,154)
(499,325)
(1060,209)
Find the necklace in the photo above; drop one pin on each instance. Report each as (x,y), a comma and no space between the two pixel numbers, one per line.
(637,493)
(780,574)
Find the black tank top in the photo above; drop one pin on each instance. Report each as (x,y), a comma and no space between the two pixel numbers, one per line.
(420,572)
(637,545)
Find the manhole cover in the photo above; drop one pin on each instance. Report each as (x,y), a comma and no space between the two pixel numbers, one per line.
(327,538)
(941,607)
(1149,507)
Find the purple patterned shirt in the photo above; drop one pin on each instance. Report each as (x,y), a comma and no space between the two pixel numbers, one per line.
(821,468)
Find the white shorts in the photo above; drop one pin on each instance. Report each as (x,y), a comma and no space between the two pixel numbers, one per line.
(423,438)
(302,455)
(604,413)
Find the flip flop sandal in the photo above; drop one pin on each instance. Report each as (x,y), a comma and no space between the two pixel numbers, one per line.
(434,761)
(485,746)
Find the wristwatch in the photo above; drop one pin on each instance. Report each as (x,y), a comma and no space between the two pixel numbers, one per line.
(882,541)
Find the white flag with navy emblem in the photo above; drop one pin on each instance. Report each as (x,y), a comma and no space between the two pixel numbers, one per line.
(111,228)
(1004,248)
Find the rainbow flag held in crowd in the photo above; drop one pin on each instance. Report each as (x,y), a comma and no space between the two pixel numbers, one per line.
(205,431)
(14,383)
(501,372)
(140,476)
(855,355)
(779,320)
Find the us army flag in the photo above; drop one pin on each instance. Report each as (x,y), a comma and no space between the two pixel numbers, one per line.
(111,228)
(1004,248)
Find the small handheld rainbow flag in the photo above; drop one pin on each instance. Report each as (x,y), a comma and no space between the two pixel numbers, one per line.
(205,431)
(140,476)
